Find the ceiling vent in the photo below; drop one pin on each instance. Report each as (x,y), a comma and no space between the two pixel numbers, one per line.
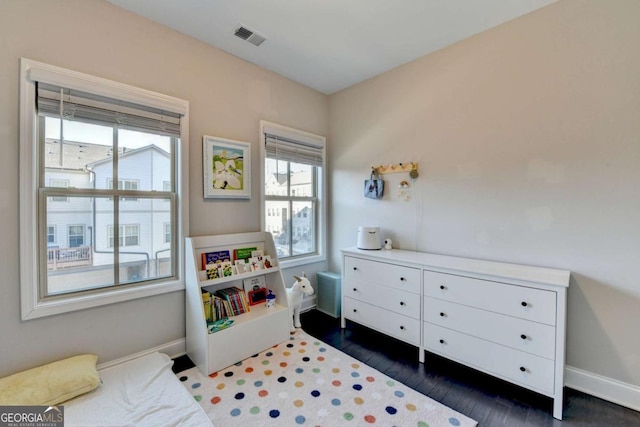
(249,35)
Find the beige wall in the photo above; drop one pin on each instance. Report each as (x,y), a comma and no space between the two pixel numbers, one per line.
(528,141)
(227,97)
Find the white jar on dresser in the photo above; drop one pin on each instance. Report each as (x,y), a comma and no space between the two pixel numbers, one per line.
(507,320)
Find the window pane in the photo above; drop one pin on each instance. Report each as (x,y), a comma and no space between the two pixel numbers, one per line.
(301,180)
(278,225)
(145,159)
(83,146)
(302,227)
(275,177)
(144,252)
(75,263)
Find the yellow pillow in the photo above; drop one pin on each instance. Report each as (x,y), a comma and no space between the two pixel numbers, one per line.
(51,384)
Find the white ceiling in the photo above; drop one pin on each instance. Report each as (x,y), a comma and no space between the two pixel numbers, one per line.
(329,45)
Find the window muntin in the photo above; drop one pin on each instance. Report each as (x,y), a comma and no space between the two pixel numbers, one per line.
(51,148)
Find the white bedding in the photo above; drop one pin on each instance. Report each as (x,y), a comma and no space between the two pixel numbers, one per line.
(140,392)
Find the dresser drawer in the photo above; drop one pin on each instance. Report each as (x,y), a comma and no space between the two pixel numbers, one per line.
(537,305)
(524,335)
(396,325)
(380,273)
(401,302)
(521,368)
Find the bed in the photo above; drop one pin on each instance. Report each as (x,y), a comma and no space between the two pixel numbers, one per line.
(140,392)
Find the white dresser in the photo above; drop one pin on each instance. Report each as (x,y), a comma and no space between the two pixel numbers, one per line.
(504,319)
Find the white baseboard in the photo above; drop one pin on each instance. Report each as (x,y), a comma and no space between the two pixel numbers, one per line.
(603,387)
(172,349)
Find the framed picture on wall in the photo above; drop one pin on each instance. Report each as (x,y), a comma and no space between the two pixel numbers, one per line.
(227,168)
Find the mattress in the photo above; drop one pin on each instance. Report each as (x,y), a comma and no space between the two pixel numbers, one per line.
(139,392)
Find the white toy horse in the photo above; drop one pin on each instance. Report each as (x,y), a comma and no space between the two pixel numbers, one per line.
(294,296)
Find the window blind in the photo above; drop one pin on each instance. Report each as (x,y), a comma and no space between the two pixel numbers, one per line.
(82,106)
(304,152)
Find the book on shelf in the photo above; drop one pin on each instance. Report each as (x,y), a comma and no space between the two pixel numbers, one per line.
(219,324)
(213,271)
(243,253)
(236,300)
(215,257)
(206,303)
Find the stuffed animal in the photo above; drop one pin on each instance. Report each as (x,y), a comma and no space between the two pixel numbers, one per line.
(294,296)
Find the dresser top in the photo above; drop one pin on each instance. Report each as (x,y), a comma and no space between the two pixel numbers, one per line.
(476,267)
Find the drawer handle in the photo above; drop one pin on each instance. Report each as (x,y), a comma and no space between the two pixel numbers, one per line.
(442,314)
(441,341)
(402,279)
(524,303)
(523,336)
(523,369)
(401,302)
(355,311)
(443,287)
(402,327)
(355,268)
(355,289)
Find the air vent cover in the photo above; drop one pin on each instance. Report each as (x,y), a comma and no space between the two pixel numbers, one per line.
(249,35)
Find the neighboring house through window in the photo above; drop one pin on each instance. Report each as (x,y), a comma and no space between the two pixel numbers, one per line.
(79,135)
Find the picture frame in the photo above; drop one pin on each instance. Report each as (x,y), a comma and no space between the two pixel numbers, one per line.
(226,168)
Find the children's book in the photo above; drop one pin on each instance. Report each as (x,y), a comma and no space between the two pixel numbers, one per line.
(243,253)
(216,257)
(220,324)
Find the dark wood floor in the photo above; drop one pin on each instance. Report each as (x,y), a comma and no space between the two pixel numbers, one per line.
(490,401)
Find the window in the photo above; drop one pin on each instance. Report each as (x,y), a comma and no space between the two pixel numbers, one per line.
(60,183)
(125,184)
(76,236)
(80,134)
(51,234)
(129,235)
(293,191)
(167,232)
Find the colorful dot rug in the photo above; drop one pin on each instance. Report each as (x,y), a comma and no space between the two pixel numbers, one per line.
(305,382)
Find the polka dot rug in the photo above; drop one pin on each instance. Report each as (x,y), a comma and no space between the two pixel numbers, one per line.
(305,382)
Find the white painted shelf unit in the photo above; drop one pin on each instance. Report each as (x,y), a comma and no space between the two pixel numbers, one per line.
(251,332)
(507,320)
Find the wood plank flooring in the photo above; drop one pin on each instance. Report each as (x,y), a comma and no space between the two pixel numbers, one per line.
(490,401)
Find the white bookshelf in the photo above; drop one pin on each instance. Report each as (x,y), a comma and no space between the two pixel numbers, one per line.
(251,332)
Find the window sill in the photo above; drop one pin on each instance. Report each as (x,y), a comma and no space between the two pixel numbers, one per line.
(80,302)
(296,262)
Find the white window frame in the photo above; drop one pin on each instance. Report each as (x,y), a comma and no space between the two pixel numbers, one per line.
(295,134)
(32,306)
